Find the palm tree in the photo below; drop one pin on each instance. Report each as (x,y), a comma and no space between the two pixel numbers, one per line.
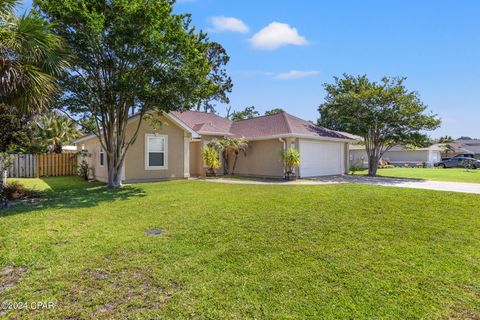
(447,148)
(291,160)
(238,145)
(210,157)
(31,58)
(223,147)
(54,131)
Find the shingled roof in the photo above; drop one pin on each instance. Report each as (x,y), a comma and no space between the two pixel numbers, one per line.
(280,124)
(204,122)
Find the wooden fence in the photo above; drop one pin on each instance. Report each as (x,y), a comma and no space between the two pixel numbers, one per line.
(23,166)
(43,165)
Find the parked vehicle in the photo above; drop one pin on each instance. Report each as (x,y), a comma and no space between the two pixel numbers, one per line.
(465,155)
(459,162)
(461,155)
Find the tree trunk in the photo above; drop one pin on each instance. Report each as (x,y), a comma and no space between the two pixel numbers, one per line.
(3,178)
(234,163)
(3,183)
(114,176)
(57,148)
(372,165)
(114,171)
(225,164)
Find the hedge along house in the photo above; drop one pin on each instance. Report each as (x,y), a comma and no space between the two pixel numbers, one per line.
(174,150)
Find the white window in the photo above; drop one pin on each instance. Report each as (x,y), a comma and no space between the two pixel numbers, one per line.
(102,158)
(155,152)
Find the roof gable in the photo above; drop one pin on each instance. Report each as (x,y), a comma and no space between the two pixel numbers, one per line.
(204,122)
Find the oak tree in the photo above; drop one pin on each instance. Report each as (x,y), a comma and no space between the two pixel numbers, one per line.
(383,113)
(133,57)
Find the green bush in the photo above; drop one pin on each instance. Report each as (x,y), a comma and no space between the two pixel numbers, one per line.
(291,159)
(210,156)
(386,166)
(354,168)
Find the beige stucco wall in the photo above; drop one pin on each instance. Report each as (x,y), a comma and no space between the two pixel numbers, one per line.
(196,168)
(135,160)
(134,167)
(262,159)
(93,147)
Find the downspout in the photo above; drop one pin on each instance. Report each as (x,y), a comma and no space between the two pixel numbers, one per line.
(284,148)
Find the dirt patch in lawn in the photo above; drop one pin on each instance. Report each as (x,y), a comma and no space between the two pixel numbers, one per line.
(10,276)
(113,293)
(464,311)
(463,314)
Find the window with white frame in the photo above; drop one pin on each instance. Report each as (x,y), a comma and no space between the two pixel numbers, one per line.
(155,151)
(102,158)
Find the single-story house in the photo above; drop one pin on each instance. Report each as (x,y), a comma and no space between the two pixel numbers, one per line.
(398,155)
(173,150)
(462,147)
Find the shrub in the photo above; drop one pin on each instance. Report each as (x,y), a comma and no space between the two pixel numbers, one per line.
(387,166)
(354,168)
(291,159)
(14,190)
(210,157)
(83,168)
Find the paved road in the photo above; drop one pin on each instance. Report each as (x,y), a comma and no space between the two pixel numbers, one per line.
(379,181)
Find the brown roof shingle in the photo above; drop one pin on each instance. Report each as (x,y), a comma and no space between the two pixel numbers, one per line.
(202,122)
(256,128)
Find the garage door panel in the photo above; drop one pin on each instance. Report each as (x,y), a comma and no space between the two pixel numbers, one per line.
(319,158)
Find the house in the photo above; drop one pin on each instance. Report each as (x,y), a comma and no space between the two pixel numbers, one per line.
(461,147)
(174,150)
(398,155)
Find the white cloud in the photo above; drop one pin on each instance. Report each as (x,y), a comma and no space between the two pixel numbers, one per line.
(297,74)
(275,35)
(221,24)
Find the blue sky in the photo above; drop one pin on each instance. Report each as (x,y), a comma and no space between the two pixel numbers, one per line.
(283,51)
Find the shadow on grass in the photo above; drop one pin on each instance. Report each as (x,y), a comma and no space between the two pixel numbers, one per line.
(72,193)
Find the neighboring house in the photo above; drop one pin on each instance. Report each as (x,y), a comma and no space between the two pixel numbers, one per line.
(464,147)
(398,155)
(174,150)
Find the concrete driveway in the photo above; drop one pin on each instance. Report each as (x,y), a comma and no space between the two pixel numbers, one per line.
(408,183)
(378,181)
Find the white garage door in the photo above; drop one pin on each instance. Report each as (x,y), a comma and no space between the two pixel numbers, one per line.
(320,158)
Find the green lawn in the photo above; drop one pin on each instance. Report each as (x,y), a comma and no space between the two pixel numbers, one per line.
(435,174)
(243,252)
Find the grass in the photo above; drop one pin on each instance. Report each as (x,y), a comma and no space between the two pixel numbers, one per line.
(434,174)
(243,251)
(56,184)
